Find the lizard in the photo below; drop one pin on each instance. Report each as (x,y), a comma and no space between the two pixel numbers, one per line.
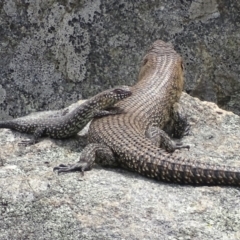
(138,140)
(70,123)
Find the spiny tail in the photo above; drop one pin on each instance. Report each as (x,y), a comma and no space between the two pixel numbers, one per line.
(155,163)
(197,173)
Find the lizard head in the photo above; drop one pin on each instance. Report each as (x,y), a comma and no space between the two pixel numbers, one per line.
(111,96)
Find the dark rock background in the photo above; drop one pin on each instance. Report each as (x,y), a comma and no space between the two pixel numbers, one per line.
(53,53)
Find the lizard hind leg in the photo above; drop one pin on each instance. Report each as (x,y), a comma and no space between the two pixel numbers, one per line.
(93,152)
(161,139)
(180,124)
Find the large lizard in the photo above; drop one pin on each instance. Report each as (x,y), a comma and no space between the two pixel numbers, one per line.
(135,139)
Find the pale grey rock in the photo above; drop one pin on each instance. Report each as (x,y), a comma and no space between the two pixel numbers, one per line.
(35,203)
(53,53)
(204,10)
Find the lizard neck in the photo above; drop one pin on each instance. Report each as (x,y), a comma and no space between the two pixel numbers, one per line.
(159,86)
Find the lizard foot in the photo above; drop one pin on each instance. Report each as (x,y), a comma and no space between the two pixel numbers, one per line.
(80,166)
(27,142)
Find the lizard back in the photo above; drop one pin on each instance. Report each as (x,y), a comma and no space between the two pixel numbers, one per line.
(159,86)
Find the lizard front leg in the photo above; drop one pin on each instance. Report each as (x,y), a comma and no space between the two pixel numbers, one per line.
(93,152)
(36,135)
(180,126)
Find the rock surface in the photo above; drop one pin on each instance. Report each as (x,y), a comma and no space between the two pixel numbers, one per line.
(35,203)
(53,53)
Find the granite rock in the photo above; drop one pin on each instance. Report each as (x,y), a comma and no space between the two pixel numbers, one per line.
(36,203)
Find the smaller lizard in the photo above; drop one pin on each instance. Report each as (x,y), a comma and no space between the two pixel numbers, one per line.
(71,123)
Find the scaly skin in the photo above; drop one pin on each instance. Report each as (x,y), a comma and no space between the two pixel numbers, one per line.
(71,123)
(151,106)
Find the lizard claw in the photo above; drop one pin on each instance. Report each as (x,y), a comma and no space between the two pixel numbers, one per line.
(62,168)
(179,145)
(186,130)
(27,142)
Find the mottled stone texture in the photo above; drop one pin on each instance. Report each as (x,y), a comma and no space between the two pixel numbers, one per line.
(53,52)
(36,203)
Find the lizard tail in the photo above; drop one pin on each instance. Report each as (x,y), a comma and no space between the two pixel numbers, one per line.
(156,163)
(4,124)
(136,152)
(14,125)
